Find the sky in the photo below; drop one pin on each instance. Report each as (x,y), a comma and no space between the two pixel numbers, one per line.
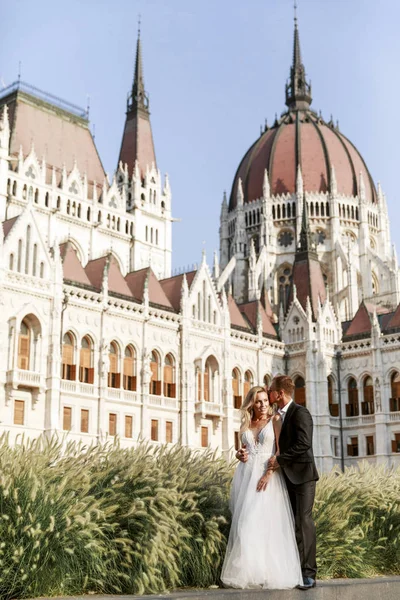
(214,70)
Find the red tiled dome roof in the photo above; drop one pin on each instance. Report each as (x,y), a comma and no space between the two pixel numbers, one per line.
(302,138)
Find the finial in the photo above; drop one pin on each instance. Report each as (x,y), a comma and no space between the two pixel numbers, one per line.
(19,71)
(139,25)
(298,90)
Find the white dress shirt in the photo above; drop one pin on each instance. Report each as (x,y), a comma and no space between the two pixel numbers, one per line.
(283,411)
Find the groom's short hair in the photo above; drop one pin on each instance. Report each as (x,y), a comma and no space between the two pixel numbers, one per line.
(283,382)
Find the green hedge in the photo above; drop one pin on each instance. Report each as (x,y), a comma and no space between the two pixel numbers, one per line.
(103,519)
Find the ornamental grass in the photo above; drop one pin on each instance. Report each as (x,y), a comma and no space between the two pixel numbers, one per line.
(102,519)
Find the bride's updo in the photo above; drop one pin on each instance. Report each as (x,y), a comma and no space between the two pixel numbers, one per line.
(247,410)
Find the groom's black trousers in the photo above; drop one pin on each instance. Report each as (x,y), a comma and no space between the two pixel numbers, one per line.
(302,500)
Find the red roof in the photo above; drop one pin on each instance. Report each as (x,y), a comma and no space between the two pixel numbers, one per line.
(235,315)
(309,282)
(249,309)
(136,281)
(7,225)
(137,143)
(116,283)
(312,144)
(395,320)
(60,137)
(173,287)
(361,322)
(72,268)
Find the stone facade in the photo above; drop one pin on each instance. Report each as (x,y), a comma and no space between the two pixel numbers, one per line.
(97,339)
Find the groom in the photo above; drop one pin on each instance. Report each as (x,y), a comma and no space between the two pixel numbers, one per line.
(296,460)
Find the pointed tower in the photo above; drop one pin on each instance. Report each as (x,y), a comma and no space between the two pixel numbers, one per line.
(137,141)
(307,276)
(298,90)
(148,199)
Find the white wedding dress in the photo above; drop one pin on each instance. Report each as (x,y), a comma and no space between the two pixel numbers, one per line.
(261,550)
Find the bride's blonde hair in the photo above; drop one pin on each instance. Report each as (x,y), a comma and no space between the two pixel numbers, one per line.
(247,407)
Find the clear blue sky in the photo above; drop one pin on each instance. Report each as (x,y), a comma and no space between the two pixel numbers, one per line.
(215,70)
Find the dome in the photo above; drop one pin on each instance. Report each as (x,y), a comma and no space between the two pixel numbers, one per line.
(302,138)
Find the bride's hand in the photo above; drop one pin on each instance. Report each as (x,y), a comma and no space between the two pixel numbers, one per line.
(263,482)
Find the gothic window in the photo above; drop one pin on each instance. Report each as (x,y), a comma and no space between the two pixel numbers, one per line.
(210,379)
(46,199)
(333,407)
(41,270)
(288,211)
(113,202)
(322,209)
(11,263)
(321,236)
(317,209)
(73,188)
(86,371)
(68,207)
(283,211)
(352,408)
(155,381)
(278,214)
(68,366)
(248,382)
(395,392)
(367,407)
(34,260)
(327,209)
(285,238)
(27,248)
(312,209)
(58,202)
(14,189)
(284,280)
(114,376)
(129,381)
(375,285)
(156,237)
(293,209)
(169,377)
(79,211)
(88,214)
(236,389)
(24,343)
(19,263)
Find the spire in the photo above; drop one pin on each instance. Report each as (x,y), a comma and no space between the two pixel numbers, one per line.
(305,233)
(137,140)
(298,90)
(138,100)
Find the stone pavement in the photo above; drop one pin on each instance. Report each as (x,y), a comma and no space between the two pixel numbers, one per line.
(379,588)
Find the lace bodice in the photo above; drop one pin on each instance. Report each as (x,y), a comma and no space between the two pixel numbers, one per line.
(265,442)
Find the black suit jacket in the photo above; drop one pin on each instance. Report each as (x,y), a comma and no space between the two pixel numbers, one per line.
(296,457)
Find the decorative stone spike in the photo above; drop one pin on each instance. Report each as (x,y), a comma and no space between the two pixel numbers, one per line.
(299,182)
(333,186)
(362,188)
(266,185)
(239,195)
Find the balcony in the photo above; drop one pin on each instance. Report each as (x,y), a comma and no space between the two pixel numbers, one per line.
(209,409)
(22,378)
(78,387)
(163,402)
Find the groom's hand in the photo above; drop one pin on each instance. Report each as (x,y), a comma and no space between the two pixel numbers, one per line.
(273,464)
(242,454)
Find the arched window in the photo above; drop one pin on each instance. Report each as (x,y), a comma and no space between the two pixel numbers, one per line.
(210,380)
(367,407)
(88,214)
(333,407)
(375,284)
(11,263)
(86,371)
(248,383)
(58,202)
(395,392)
(147,233)
(24,346)
(68,366)
(284,280)
(14,188)
(237,396)
(267,380)
(129,382)
(46,199)
(19,256)
(352,408)
(169,377)
(42,270)
(300,391)
(155,382)
(37,196)
(114,376)
(68,207)
(27,248)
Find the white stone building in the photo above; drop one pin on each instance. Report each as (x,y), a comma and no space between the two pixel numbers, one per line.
(97,338)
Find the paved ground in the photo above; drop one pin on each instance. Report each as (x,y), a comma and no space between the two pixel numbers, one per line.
(380,588)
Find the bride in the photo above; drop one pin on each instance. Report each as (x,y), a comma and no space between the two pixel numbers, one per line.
(261,550)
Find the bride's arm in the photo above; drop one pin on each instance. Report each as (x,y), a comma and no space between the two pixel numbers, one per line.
(263,482)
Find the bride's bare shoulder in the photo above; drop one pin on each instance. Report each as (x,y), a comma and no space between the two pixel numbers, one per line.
(276,418)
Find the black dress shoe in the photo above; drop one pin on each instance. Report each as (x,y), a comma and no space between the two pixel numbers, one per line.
(308,583)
